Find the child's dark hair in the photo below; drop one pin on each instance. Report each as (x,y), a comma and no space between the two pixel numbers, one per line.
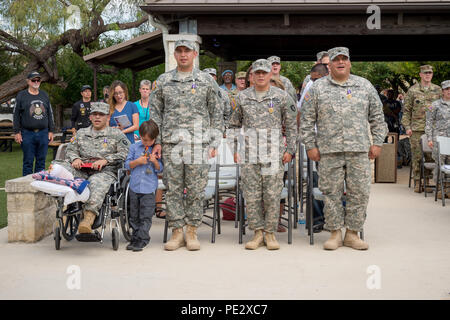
(149,128)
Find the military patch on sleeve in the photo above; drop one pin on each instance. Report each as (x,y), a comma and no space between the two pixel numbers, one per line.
(125,142)
(307,96)
(72,140)
(233,103)
(293,108)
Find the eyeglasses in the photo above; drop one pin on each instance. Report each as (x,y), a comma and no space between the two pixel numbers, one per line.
(36,80)
(428,72)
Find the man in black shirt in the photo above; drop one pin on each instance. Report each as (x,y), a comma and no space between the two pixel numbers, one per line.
(33,124)
(81,110)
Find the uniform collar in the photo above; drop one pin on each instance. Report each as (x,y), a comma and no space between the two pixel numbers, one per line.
(349,83)
(445,102)
(195,75)
(266,96)
(94,133)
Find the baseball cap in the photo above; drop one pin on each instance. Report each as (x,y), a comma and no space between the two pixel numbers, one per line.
(320,54)
(261,64)
(240,74)
(274,59)
(223,73)
(445,84)
(85,87)
(185,43)
(100,107)
(210,71)
(426,68)
(334,52)
(34,74)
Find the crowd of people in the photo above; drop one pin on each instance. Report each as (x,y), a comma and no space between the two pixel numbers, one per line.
(180,119)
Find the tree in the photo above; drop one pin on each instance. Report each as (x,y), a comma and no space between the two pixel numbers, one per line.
(38,29)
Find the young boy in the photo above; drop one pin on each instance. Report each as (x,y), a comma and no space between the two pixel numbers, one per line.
(143,183)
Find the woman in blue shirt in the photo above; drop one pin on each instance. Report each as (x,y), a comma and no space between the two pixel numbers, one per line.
(143,104)
(119,105)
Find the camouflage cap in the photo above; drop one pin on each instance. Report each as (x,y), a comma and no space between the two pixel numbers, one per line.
(185,43)
(241,74)
(319,55)
(210,71)
(274,59)
(262,64)
(100,107)
(445,84)
(426,68)
(334,52)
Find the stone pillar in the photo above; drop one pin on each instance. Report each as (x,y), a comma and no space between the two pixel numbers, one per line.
(170,41)
(31,214)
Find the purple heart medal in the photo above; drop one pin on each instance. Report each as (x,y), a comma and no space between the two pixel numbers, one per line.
(349,94)
(271,106)
(194,86)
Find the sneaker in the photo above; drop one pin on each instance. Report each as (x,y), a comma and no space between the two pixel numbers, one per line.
(131,245)
(138,246)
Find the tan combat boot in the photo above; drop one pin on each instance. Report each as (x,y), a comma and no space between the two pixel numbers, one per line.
(416,187)
(192,242)
(176,240)
(257,241)
(270,241)
(335,240)
(87,222)
(352,240)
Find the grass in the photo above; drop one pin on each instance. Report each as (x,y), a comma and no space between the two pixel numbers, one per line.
(11,168)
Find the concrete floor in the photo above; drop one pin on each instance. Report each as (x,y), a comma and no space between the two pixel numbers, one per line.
(408,258)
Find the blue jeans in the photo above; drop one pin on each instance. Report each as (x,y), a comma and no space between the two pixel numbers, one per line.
(34,146)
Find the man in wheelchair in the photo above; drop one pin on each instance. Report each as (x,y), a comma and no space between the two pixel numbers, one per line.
(95,154)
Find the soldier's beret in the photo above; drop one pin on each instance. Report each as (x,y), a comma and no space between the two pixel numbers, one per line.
(426,68)
(445,84)
(274,59)
(227,71)
(334,52)
(185,43)
(100,107)
(262,64)
(210,71)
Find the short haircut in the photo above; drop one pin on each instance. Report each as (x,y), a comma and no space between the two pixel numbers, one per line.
(146,83)
(149,128)
(321,69)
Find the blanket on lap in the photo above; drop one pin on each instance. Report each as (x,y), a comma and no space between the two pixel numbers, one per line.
(76,184)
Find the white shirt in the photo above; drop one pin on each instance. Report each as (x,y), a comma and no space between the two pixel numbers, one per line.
(308,85)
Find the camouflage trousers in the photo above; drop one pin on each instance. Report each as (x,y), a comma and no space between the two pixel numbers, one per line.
(416,155)
(262,194)
(180,173)
(100,183)
(357,177)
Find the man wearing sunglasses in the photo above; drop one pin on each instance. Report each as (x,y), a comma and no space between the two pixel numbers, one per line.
(33,124)
(417,100)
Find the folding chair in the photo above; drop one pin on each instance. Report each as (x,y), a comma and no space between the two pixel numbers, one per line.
(443,146)
(424,148)
(61,153)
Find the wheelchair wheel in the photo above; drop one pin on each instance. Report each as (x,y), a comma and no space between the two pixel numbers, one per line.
(70,226)
(115,239)
(57,238)
(125,211)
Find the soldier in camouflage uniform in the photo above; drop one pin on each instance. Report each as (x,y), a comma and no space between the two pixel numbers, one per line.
(263,109)
(186,107)
(417,100)
(224,96)
(276,68)
(438,120)
(343,107)
(106,148)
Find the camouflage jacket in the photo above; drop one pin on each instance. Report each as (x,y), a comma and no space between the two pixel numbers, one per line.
(275,110)
(343,114)
(417,100)
(187,108)
(438,120)
(90,145)
(289,88)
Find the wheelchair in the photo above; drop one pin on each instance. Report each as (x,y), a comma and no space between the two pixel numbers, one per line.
(68,218)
